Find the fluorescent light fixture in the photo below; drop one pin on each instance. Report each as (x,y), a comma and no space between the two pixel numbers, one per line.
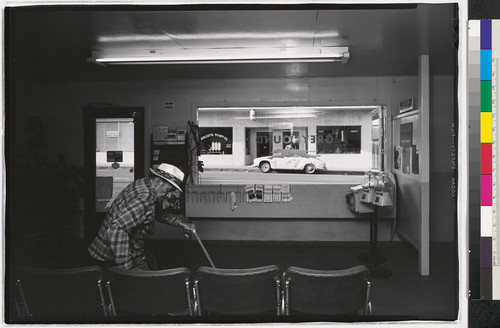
(221,56)
(221,36)
(288,109)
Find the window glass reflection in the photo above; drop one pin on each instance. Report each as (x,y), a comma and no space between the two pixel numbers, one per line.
(338,139)
(346,138)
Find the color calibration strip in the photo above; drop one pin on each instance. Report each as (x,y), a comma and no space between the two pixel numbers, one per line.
(474,91)
(486,162)
(483,75)
(495,204)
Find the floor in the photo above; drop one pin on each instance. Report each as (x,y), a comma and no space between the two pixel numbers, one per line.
(405,294)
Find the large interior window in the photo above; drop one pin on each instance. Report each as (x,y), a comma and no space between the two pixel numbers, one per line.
(233,139)
(338,139)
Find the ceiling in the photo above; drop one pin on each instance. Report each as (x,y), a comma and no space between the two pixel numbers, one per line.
(55,42)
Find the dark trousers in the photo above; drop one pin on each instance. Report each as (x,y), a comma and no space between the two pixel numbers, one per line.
(146,262)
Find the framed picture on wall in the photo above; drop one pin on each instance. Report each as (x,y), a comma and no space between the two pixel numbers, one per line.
(406,135)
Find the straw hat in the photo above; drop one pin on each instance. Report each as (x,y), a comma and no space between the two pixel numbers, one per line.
(170,173)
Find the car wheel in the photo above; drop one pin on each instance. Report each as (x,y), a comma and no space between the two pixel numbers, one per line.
(310,169)
(265,167)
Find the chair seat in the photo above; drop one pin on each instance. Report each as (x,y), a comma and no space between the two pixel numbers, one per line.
(344,292)
(59,295)
(237,292)
(150,293)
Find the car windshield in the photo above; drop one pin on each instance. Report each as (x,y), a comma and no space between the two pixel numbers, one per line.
(290,153)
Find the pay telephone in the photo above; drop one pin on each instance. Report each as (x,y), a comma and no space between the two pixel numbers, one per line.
(376,189)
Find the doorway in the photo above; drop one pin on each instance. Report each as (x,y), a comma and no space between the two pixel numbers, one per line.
(113,155)
(263,144)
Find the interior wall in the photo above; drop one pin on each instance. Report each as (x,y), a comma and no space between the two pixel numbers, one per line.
(265,229)
(59,105)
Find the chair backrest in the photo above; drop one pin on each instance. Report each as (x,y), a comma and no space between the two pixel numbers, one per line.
(148,293)
(248,291)
(327,292)
(62,294)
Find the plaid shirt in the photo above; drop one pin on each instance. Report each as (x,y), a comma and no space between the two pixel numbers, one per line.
(129,222)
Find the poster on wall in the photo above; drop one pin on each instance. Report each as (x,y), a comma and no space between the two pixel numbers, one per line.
(406,135)
(291,141)
(216,140)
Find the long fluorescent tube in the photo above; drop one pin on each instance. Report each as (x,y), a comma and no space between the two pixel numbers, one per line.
(220,56)
(261,117)
(134,61)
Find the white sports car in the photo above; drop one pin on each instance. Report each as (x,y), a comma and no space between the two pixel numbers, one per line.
(289,159)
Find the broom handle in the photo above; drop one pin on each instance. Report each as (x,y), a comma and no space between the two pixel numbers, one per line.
(203,247)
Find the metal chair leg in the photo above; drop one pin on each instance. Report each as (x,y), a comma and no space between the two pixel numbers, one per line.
(112,310)
(23,310)
(196,293)
(368,302)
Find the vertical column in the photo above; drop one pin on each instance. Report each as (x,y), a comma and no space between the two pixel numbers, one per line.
(424,164)
(311,139)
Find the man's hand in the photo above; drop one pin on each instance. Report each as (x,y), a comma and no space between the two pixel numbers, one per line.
(187,226)
(170,219)
(188,229)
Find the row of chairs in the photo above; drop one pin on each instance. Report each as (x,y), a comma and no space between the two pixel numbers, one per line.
(91,293)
